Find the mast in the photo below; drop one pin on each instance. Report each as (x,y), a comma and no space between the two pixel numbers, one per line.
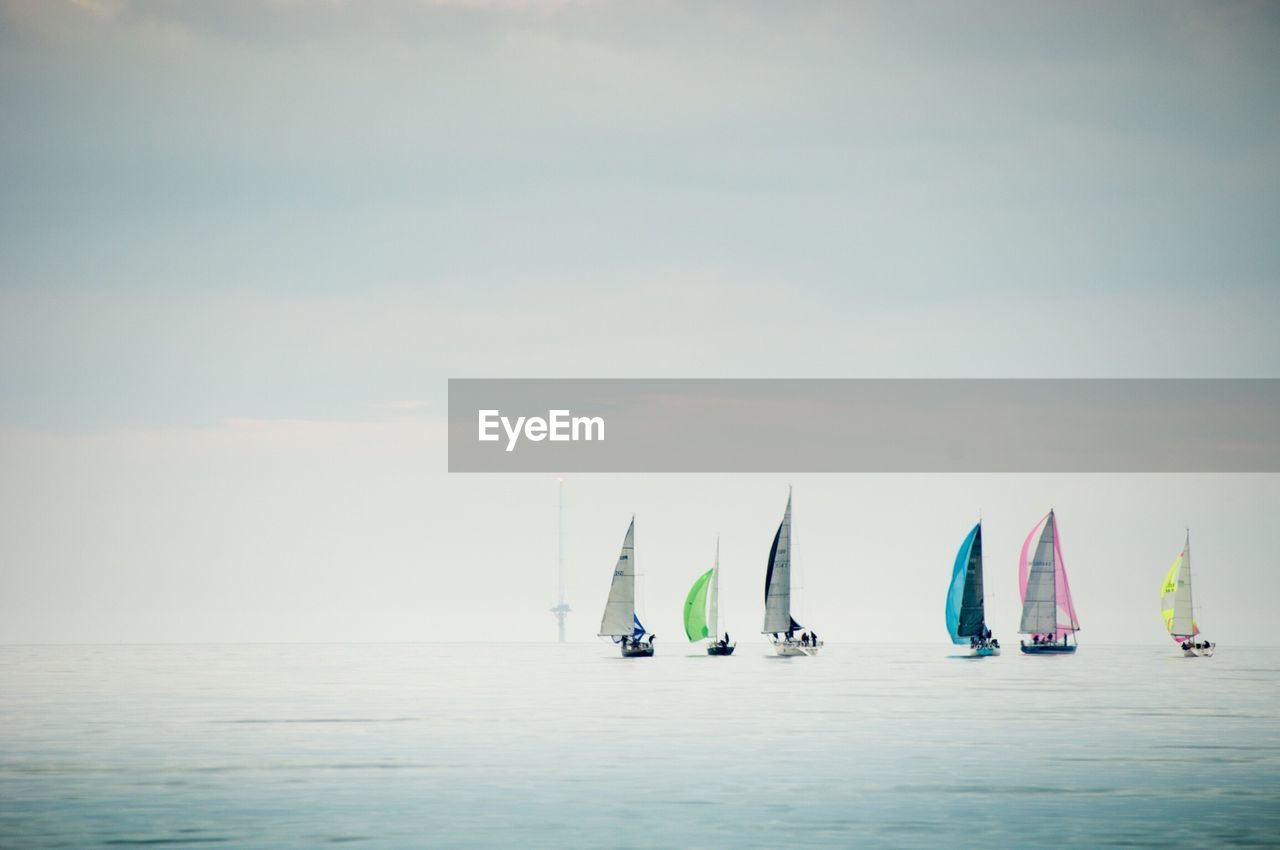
(561,608)
(713,616)
(1191,608)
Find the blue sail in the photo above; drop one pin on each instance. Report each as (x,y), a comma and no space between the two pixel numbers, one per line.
(637,631)
(955,593)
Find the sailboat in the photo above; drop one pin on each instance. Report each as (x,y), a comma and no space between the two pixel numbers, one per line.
(1047,613)
(702,611)
(778,622)
(620,621)
(966,612)
(1175,605)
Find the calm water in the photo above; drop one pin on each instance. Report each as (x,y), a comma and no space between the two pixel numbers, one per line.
(544,745)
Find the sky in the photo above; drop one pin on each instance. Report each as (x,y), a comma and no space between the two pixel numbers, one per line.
(243,246)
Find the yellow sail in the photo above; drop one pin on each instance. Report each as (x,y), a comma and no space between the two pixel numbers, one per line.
(1168,590)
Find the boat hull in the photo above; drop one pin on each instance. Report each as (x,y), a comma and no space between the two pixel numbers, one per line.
(1049,649)
(984,652)
(639,650)
(716,649)
(1205,652)
(794,648)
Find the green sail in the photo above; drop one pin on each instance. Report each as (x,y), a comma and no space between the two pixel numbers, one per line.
(695,608)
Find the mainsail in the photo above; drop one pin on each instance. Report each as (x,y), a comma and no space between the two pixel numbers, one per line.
(695,608)
(1046,596)
(777,580)
(1175,597)
(620,611)
(966,617)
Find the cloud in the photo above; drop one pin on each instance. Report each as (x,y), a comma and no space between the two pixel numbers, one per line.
(101,8)
(404,405)
(416,440)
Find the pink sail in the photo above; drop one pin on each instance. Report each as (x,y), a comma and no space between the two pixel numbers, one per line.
(1064,612)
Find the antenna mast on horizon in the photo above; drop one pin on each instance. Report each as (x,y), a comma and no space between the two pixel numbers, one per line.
(561,608)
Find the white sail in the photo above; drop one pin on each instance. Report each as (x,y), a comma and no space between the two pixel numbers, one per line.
(620,610)
(777,583)
(713,604)
(1040,604)
(1183,622)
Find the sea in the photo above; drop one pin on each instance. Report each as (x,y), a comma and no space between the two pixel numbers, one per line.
(568,745)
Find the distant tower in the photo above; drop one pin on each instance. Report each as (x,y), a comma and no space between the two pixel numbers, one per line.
(561,608)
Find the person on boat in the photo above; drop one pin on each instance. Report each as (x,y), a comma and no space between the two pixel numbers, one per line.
(726,638)
(995,644)
(813,638)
